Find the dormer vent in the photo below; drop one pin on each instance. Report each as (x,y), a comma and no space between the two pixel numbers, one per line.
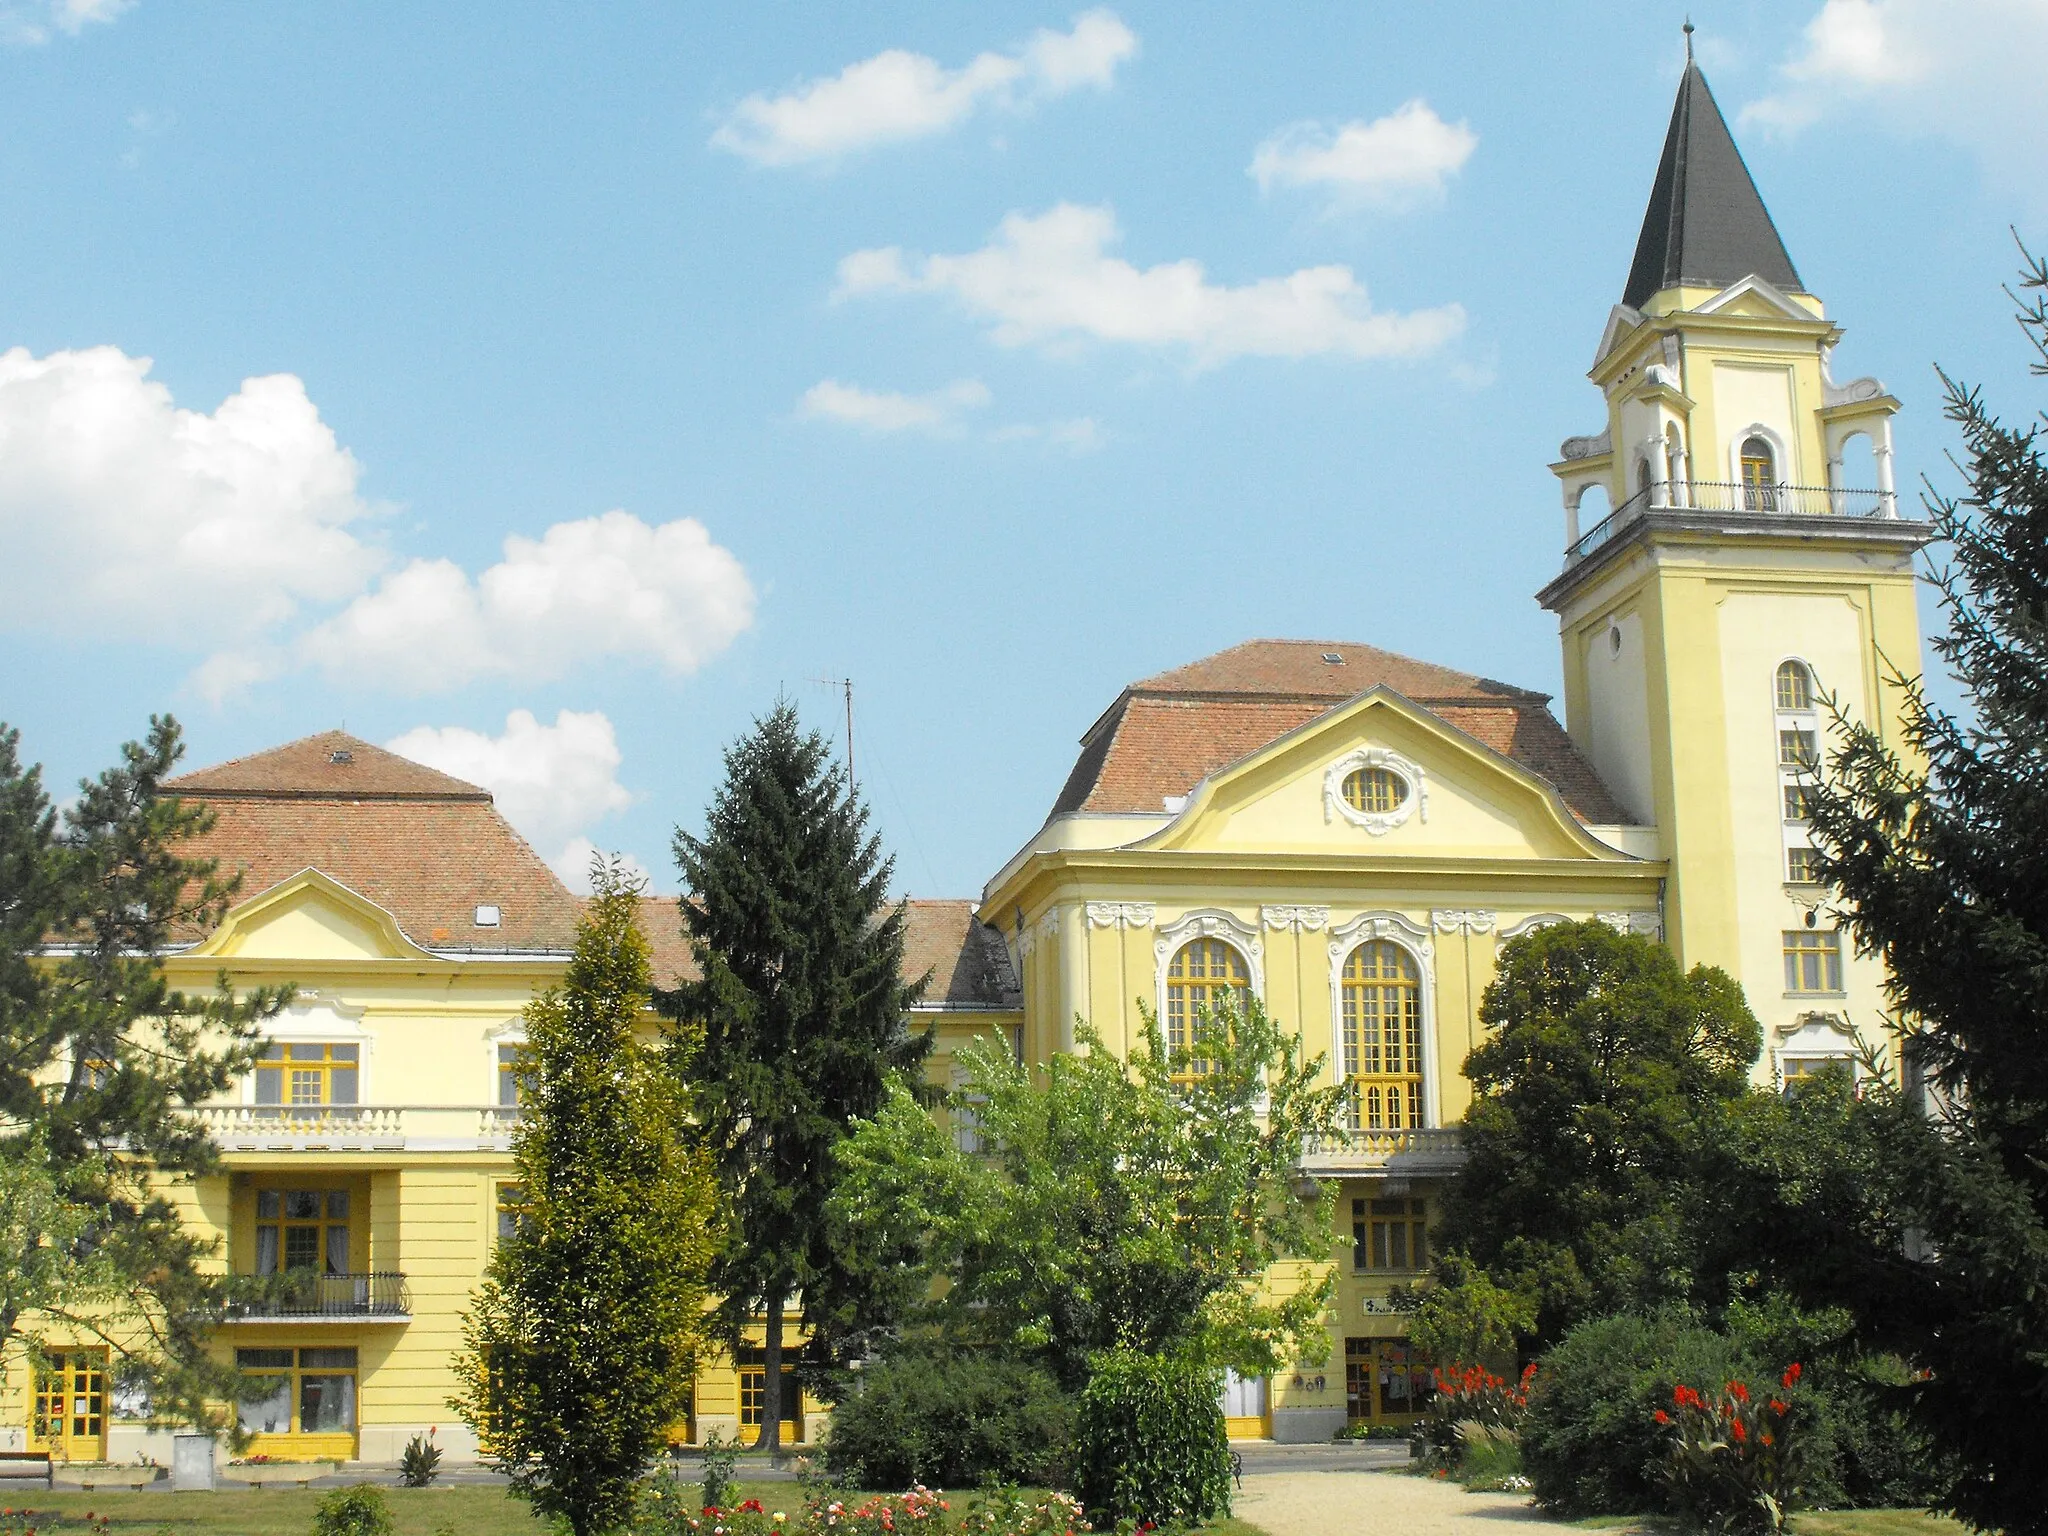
(1334,658)
(488,915)
(341,755)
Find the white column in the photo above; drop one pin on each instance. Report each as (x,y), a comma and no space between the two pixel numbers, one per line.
(1571,514)
(1887,491)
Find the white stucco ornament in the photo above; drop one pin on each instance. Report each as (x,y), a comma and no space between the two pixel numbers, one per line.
(1377,823)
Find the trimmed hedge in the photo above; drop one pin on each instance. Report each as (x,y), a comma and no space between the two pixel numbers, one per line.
(1150,1442)
(951,1419)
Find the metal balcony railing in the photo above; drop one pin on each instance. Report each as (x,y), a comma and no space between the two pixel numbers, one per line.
(1732,496)
(307,1295)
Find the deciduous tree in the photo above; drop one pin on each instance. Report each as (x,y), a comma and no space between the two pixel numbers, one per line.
(581,1343)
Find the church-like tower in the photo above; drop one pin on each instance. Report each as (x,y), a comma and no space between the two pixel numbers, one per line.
(1723,573)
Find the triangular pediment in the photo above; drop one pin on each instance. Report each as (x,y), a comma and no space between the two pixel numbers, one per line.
(310,916)
(1461,798)
(1754,296)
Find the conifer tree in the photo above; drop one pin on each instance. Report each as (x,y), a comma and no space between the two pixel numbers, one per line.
(1939,860)
(581,1343)
(100,1058)
(803,1011)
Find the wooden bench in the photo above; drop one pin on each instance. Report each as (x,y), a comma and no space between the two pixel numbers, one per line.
(26,1466)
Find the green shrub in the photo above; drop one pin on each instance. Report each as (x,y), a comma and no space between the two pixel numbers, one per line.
(952,1419)
(420,1462)
(1150,1444)
(1591,1443)
(357,1511)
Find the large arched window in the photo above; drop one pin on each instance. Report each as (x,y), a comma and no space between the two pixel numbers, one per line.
(1383,1036)
(1759,475)
(1795,685)
(1202,974)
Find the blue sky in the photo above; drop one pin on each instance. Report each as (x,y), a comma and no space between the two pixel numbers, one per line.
(641,362)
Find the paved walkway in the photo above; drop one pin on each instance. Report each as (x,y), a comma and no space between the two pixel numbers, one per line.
(1373,1503)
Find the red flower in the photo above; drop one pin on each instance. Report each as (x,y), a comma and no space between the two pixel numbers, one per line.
(1528,1371)
(1767,1437)
(1735,1428)
(1738,1391)
(1779,1406)
(1663,1417)
(1792,1374)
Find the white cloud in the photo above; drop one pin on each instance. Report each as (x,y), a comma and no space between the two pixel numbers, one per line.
(897,95)
(550,781)
(28,23)
(880,410)
(572,864)
(1404,157)
(1081,434)
(125,514)
(1964,71)
(600,587)
(1049,279)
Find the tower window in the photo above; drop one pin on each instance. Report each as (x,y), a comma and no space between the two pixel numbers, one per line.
(1798,802)
(1798,749)
(1382,1037)
(1795,685)
(1799,866)
(1759,476)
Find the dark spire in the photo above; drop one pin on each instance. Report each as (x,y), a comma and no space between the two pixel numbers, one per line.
(1706,226)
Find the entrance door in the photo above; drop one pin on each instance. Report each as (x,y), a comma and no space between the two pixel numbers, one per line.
(1244,1407)
(71,1406)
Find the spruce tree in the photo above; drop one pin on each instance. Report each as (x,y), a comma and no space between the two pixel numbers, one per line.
(1937,855)
(100,1060)
(803,1010)
(581,1343)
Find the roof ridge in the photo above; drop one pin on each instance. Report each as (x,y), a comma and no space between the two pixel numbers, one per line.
(326,766)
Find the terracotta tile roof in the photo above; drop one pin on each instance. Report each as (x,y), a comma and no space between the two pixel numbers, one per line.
(967,960)
(330,766)
(1164,735)
(427,848)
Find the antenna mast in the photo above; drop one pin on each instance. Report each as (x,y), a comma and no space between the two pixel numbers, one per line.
(845,686)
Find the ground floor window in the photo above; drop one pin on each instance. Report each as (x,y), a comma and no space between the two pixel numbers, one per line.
(1384,1378)
(71,1405)
(311,1391)
(753,1374)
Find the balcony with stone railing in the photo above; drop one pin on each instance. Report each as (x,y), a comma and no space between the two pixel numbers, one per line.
(360,1127)
(1420,1153)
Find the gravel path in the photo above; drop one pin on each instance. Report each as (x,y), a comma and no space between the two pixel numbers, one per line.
(1381,1504)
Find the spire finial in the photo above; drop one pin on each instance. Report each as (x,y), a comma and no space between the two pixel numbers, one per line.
(1688,39)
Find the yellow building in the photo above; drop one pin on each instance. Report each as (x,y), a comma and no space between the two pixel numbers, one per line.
(1352,834)
(1349,833)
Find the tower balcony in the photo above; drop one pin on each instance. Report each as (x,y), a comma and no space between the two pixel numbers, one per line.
(1725,498)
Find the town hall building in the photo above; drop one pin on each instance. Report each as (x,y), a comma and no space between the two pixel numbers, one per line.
(1349,833)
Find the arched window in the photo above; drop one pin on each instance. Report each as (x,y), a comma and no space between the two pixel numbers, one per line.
(1643,478)
(1759,475)
(1795,685)
(1374,790)
(1383,1036)
(1202,973)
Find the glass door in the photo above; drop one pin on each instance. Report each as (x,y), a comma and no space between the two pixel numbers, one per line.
(71,1406)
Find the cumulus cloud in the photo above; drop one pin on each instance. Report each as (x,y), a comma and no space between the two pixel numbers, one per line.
(552,782)
(1050,278)
(28,23)
(125,514)
(1404,157)
(1963,71)
(600,587)
(881,410)
(572,864)
(897,95)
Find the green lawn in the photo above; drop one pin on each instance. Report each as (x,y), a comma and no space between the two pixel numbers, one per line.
(1840,1522)
(450,1511)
